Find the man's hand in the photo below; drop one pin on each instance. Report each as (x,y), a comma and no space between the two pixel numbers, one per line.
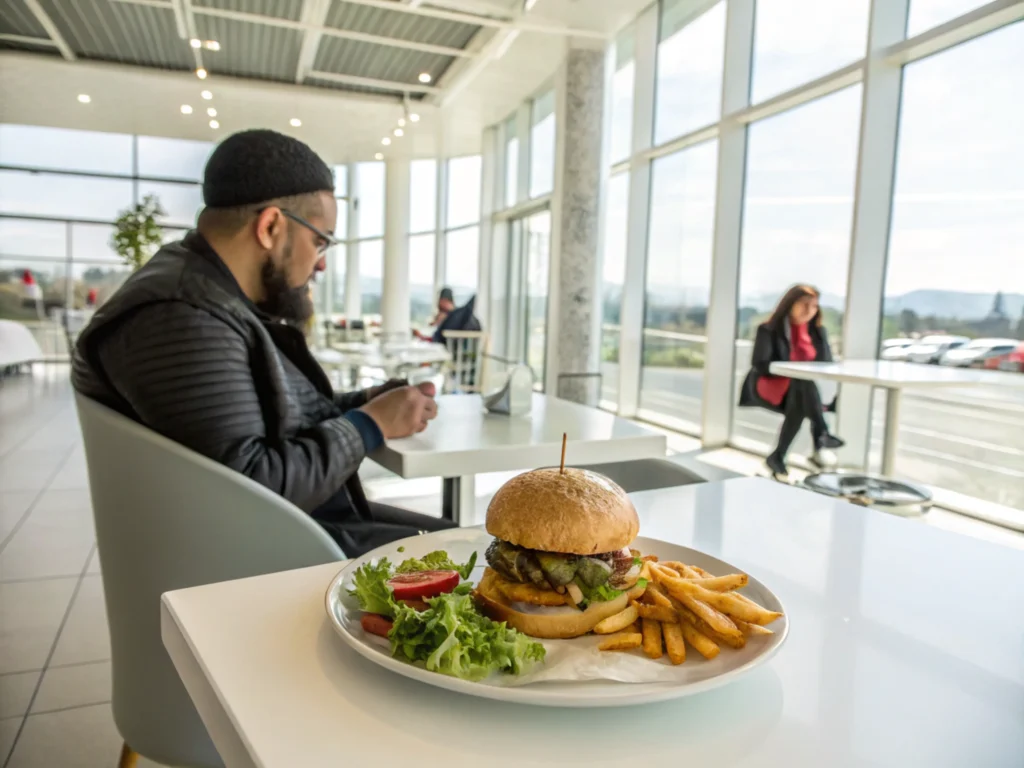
(403,412)
(387,386)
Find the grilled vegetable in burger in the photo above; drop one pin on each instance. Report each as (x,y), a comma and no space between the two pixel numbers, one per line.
(560,561)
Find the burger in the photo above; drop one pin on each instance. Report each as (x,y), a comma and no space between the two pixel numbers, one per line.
(560,561)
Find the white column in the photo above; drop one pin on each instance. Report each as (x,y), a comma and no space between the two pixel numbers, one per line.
(719,354)
(353,292)
(395,310)
(488,190)
(872,213)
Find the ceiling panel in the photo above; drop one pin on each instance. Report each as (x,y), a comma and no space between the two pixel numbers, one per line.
(354,57)
(16,19)
(282,9)
(250,50)
(405,26)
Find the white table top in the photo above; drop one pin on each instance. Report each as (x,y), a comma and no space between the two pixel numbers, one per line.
(903,651)
(466,440)
(896,375)
(376,356)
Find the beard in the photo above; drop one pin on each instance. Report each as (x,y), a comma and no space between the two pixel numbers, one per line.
(280,299)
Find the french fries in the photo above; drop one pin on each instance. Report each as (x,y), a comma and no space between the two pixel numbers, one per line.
(618,622)
(657,613)
(652,638)
(621,641)
(702,626)
(701,643)
(674,644)
(752,629)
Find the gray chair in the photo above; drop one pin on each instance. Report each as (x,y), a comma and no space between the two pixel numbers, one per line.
(168,518)
(646,474)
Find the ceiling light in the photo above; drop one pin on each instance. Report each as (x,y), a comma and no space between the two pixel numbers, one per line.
(201,73)
(414,118)
(84,98)
(399,132)
(425,77)
(195,42)
(401,122)
(295,122)
(206,95)
(379,156)
(214,124)
(186,109)
(211,45)
(386,141)
(211,112)
(528,5)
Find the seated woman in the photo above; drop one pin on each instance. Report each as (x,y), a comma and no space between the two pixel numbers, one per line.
(793,332)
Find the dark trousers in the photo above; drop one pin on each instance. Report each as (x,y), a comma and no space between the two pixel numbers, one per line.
(802,401)
(357,537)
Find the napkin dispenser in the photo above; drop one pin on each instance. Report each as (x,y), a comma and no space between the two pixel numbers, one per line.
(515,398)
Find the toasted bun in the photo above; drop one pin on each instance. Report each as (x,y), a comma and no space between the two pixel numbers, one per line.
(549,622)
(579,512)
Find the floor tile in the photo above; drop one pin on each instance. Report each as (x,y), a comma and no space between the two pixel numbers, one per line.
(74,475)
(75,686)
(30,615)
(85,636)
(75,738)
(12,508)
(8,730)
(24,470)
(94,562)
(55,540)
(16,693)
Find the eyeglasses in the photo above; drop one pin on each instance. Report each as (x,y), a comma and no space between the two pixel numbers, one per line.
(326,240)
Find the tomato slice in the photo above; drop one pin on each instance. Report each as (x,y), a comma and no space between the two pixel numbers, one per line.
(376,624)
(423,584)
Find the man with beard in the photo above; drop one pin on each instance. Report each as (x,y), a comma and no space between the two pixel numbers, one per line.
(203,344)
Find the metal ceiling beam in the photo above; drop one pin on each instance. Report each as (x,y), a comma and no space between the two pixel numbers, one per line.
(51,29)
(26,40)
(372,82)
(314,13)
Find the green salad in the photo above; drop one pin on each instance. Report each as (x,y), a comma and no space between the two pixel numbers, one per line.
(449,635)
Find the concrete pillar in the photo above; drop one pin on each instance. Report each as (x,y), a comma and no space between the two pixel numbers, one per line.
(574,313)
(395,310)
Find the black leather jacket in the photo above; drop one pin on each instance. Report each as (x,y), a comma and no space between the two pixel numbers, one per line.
(772,345)
(180,349)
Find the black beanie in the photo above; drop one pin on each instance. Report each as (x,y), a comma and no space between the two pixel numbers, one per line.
(260,165)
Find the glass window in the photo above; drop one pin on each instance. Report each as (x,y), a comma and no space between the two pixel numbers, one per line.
(925,14)
(621,118)
(33,146)
(370,193)
(16,305)
(679,248)
(337,261)
(511,162)
(371,274)
(798,208)
(613,278)
(421,277)
(464,190)
(688,91)
(91,242)
(542,145)
(796,41)
(462,262)
(25,237)
(173,158)
(955,264)
(538,268)
(181,202)
(423,196)
(49,194)
(340,180)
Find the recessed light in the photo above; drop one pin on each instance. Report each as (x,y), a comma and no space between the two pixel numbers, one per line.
(386,141)
(186,109)
(201,73)
(295,122)
(379,156)
(195,42)
(414,117)
(214,124)
(84,98)
(399,132)
(211,112)
(401,122)
(206,95)
(212,45)
(425,77)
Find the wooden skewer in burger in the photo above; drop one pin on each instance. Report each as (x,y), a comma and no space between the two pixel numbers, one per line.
(560,562)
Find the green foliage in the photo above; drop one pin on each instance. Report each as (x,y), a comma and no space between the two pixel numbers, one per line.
(137,235)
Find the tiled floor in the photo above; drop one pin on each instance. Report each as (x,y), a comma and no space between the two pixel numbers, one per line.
(54,648)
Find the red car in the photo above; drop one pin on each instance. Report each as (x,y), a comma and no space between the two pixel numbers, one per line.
(1013,362)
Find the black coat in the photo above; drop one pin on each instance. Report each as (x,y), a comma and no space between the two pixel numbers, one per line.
(772,345)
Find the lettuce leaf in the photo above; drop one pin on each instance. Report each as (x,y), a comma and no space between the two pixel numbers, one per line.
(370,588)
(437,561)
(604,593)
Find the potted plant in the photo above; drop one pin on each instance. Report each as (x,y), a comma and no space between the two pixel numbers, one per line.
(137,235)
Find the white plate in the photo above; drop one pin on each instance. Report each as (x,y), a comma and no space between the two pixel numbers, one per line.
(698,674)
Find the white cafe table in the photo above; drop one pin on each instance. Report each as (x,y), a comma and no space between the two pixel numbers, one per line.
(904,650)
(894,377)
(464,440)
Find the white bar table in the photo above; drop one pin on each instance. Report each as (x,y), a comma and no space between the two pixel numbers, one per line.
(894,658)
(894,377)
(464,440)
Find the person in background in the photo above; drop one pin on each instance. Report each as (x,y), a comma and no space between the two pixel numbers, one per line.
(445,304)
(90,299)
(204,345)
(793,333)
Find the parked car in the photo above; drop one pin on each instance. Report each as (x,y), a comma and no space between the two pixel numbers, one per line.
(974,353)
(1014,362)
(930,348)
(896,349)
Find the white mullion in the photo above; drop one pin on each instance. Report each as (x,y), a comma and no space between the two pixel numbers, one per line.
(489,185)
(970,25)
(872,215)
(524,122)
(719,352)
(637,213)
(441,219)
(353,287)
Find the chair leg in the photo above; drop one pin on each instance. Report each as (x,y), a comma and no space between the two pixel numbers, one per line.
(129,758)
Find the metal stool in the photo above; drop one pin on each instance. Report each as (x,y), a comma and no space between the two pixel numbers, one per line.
(893,496)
